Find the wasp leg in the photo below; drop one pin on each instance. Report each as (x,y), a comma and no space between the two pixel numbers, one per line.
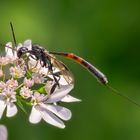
(53,88)
(55,84)
(53,74)
(55,79)
(57,75)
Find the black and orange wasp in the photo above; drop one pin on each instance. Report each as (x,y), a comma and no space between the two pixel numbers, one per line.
(47,59)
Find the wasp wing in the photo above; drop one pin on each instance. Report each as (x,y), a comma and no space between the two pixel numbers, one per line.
(62,70)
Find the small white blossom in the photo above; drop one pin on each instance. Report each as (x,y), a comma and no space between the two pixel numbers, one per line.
(44,71)
(2,86)
(4,60)
(28,74)
(7,99)
(11,60)
(44,108)
(38,78)
(11,53)
(12,83)
(34,65)
(38,98)
(17,72)
(28,82)
(25,92)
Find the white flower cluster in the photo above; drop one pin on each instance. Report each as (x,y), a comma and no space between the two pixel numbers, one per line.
(25,81)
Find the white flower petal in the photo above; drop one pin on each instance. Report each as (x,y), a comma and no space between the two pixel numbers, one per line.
(61,112)
(69,98)
(35,116)
(59,93)
(28,44)
(11,110)
(8,49)
(63,81)
(2,107)
(3,132)
(51,118)
(19,46)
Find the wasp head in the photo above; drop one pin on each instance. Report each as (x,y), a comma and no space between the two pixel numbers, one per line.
(21,51)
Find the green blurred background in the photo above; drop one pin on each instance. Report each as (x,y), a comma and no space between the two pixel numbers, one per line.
(105,32)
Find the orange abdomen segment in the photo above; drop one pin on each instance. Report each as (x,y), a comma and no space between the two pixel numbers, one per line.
(97,73)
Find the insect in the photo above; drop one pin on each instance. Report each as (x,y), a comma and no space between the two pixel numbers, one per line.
(47,59)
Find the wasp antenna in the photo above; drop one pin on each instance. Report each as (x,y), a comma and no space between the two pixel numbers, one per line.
(116,92)
(13,34)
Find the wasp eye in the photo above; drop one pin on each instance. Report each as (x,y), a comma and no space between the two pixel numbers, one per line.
(24,49)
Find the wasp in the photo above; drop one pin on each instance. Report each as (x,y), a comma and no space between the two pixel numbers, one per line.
(47,59)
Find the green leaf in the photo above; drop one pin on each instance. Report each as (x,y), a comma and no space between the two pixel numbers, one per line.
(19,103)
(42,90)
(29,74)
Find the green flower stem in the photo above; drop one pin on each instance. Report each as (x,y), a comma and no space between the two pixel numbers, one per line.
(22,100)
(3,68)
(19,86)
(29,73)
